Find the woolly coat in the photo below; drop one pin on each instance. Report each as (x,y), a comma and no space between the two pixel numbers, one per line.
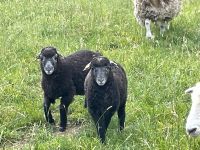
(68,78)
(156,10)
(110,96)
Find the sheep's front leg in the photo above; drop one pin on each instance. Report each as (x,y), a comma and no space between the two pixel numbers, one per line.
(100,126)
(108,115)
(65,102)
(47,111)
(98,119)
(101,129)
(148,29)
(63,117)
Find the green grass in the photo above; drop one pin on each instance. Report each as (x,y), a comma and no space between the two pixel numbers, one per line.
(158,73)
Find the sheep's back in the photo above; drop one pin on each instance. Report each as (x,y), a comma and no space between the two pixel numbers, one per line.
(165,10)
(120,78)
(78,61)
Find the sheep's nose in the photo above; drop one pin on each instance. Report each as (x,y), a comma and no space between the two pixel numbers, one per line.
(49,68)
(101,80)
(191,131)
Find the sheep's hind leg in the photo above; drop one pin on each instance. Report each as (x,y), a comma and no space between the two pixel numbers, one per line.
(163,26)
(148,29)
(47,111)
(121,116)
(167,25)
(162,29)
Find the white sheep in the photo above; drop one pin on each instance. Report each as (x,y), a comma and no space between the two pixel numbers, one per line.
(193,119)
(158,11)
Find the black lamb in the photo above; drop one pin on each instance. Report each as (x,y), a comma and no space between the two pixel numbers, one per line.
(106,92)
(62,77)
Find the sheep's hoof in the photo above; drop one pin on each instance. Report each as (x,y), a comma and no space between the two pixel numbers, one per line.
(62,129)
(150,37)
(52,122)
(120,129)
(103,141)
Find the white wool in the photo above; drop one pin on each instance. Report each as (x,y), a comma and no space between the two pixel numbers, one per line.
(193,119)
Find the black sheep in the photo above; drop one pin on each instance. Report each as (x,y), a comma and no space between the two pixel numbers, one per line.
(62,78)
(106,92)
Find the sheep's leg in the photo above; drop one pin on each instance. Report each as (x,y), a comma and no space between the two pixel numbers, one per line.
(167,25)
(121,116)
(101,129)
(65,102)
(63,118)
(148,28)
(47,111)
(99,123)
(85,104)
(108,117)
(163,26)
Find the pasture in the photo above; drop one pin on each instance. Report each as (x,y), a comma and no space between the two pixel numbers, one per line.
(158,73)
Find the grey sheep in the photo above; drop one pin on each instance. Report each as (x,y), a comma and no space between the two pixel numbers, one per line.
(158,11)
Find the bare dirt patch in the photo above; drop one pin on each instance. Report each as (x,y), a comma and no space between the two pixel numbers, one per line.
(25,141)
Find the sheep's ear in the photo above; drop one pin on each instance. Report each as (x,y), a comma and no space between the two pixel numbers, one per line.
(39,56)
(112,62)
(59,55)
(189,90)
(87,67)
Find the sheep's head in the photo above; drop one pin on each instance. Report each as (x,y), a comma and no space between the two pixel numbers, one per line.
(49,59)
(100,69)
(193,119)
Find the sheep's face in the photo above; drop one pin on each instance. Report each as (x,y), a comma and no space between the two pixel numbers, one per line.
(101,75)
(100,69)
(48,58)
(193,119)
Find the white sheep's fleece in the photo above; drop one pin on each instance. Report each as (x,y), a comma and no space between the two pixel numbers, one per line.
(193,119)
(156,10)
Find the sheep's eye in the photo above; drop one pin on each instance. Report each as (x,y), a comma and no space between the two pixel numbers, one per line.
(42,58)
(54,57)
(107,69)
(94,70)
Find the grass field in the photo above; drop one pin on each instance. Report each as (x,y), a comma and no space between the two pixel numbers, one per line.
(158,72)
